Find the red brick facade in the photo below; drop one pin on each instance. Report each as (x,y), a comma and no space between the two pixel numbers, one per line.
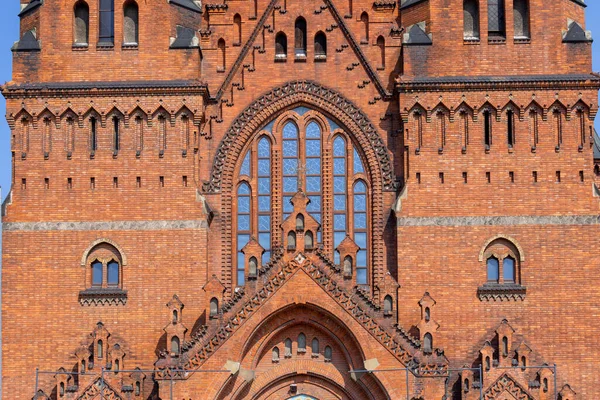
(263,199)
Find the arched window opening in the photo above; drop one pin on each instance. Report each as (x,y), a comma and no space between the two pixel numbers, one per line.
(82,370)
(264,197)
(243,229)
(175,346)
(255,8)
(138,388)
(466,386)
(523,363)
(252,267)
(328,353)
(496,19)
(309,241)
(99,349)
(471,19)
(387,304)
(130,23)
(427,343)
(288,347)
(82,24)
(175,318)
(533,128)
(360,231)
(61,390)
(441,128)
(301,343)
(349,15)
(493,269)
(508,269)
(237,26)
(275,354)
(581,118)
(93,134)
(487,129)
(97,268)
(107,22)
(340,190)
(427,314)
(510,128)
(504,346)
(113,273)
(280,46)
(320,46)
(545,385)
(214,307)
(521,18)
(290,166)
(116,367)
(347,266)
(381,46)
(557,116)
(300,37)
(488,364)
(291,240)
(162,134)
(364,19)
(418,124)
(315,347)
(300,222)
(222,55)
(139,134)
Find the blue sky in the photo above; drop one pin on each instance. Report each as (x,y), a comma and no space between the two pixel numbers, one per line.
(9,32)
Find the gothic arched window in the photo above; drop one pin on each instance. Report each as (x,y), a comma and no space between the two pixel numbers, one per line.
(521,18)
(381,45)
(288,155)
(471,19)
(130,23)
(364,18)
(281,46)
(237,24)
(320,45)
(300,37)
(82,23)
(106,34)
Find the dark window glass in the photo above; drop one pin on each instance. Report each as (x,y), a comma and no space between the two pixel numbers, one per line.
(508,269)
(113,273)
(301,341)
(427,343)
(320,45)
(510,127)
(487,127)
(493,270)
(521,18)
(496,18)
(97,273)
(300,38)
(288,347)
(381,45)
(107,21)
(315,346)
(280,45)
(328,353)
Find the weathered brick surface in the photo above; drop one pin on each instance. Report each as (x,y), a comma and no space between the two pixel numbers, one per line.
(167,199)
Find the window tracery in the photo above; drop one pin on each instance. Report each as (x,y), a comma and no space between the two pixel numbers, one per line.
(288,155)
(503,271)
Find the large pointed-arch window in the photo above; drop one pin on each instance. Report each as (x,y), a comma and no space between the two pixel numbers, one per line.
(291,154)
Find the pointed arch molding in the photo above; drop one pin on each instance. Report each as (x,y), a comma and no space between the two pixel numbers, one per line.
(262,110)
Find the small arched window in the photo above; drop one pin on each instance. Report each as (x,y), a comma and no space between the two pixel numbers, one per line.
(106,34)
(488,364)
(427,314)
(300,222)
(381,46)
(427,343)
(175,345)
(275,354)
(309,241)
(82,23)
(545,385)
(504,346)
(116,134)
(523,363)
(113,273)
(280,46)
(61,390)
(252,266)
(116,368)
(175,318)
(364,19)
(221,55)
(315,346)
(320,46)
(328,353)
(487,129)
(347,266)
(82,370)
(288,347)
(466,386)
(301,343)
(387,304)
(97,273)
(521,18)
(510,128)
(130,23)
(237,26)
(214,307)
(508,269)
(138,388)
(493,269)
(300,37)
(93,134)
(99,349)
(292,240)
(471,19)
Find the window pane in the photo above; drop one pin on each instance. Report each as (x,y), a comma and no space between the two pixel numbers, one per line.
(290,131)
(315,204)
(245,169)
(264,203)
(339,222)
(361,258)
(361,276)
(290,148)
(339,185)
(358,165)
(339,166)
(287,204)
(241,278)
(244,204)
(360,221)
(361,239)
(244,189)
(492,269)
(113,273)
(290,167)
(266,257)
(338,237)
(508,269)
(339,202)
(264,239)
(313,166)
(264,223)
(244,222)
(313,131)
(360,187)
(313,148)
(264,185)
(264,167)
(313,184)
(243,240)
(264,148)
(317,217)
(96,273)
(339,147)
(360,202)
(290,184)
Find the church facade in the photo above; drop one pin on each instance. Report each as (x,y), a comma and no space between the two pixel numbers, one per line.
(326,199)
